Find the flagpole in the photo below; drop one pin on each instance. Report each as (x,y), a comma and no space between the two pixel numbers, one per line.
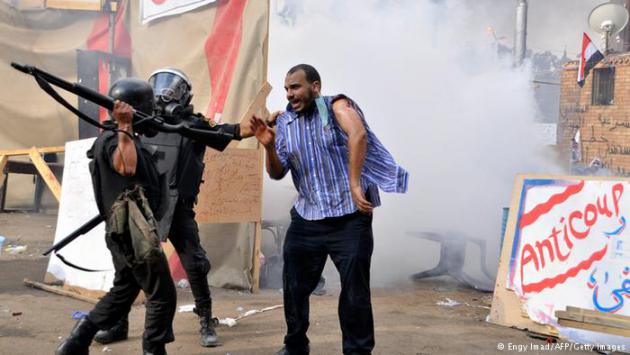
(520,35)
(112,36)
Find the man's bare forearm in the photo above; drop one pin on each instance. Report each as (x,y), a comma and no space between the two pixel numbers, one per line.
(274,168)
(125,158)
(357,148)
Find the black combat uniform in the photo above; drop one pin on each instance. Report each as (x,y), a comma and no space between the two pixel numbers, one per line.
(181,160)
(153,275)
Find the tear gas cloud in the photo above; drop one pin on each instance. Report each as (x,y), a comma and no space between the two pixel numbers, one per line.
(457,116)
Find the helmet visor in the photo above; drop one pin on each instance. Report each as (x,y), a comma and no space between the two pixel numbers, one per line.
(168,86)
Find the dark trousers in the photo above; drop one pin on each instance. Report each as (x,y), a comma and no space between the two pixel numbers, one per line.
(184,235)
(154,278)
(349,243)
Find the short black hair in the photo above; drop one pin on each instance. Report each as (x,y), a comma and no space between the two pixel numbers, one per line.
(311,73)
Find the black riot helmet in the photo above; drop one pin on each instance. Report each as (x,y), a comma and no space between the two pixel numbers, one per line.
(137,93)
(172,91)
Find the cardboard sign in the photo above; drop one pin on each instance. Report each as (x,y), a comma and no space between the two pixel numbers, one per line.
(232,188)
(571,246)
(567,245)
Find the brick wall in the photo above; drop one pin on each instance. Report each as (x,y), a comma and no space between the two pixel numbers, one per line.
(604,130)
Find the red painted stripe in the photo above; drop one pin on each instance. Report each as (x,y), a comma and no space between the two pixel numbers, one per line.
(543,208)
(103,85)
(572,272)
(98,40)
(222,49)
(175,265)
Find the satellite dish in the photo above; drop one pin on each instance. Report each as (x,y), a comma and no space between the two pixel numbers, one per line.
(608,19)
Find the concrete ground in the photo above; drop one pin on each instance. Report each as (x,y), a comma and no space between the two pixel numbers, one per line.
(408,319)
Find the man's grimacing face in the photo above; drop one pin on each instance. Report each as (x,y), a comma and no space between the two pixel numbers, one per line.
(300,93)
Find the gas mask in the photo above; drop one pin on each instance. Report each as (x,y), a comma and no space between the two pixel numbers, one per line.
(172,91)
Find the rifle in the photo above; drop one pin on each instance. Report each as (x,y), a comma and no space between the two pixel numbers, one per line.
(88,226)
(211,136)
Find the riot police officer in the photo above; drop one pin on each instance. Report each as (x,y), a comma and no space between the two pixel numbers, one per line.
(129,193)
(181,159)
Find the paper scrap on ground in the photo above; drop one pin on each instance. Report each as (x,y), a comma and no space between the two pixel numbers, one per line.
(449,303)
(230,322)
(186,308)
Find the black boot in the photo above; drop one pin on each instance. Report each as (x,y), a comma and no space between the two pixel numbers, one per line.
(78,343)
(116,333)
(209,336)
(153,348)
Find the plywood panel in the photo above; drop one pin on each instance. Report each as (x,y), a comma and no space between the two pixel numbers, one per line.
(231,191)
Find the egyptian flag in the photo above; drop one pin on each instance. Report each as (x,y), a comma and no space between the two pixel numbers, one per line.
(588,59)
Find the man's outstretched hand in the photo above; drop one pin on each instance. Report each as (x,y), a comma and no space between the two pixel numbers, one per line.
(265,134)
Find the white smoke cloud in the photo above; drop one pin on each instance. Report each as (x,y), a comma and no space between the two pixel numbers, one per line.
(457,117)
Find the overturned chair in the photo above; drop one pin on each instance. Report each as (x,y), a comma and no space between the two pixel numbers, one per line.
(271,272)
(452,259)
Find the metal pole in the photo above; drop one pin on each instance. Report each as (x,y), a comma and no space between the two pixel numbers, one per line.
(520,35)
(112,37)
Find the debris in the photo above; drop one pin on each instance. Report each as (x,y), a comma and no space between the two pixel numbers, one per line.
(2,239)
(230,322)
(320,290)
(449,303)
(250,312)
(240,309)
(15,314)
(79,314)
(183,283)
(186,308)
(106,349)
(15,249)
(476,306)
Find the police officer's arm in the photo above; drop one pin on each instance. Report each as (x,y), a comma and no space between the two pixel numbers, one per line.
(267,137)
(246,129)
(351,123)
(124,158)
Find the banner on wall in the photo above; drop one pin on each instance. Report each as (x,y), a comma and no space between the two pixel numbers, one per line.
(222,47)
(154,9)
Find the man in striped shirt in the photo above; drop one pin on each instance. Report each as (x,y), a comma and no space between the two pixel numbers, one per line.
(337,165)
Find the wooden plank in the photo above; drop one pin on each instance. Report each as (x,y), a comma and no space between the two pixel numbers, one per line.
(12,152)
(58,291)
(594,317)
(594,327)
(259,102)
(46,173)
(256,259)
(3,162)
(258,234)
(86,5)
(27,167)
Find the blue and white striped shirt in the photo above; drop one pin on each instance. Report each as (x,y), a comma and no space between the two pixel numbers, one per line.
(315,148)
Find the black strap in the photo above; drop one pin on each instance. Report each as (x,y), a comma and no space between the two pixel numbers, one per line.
(55,95)
(76,266)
